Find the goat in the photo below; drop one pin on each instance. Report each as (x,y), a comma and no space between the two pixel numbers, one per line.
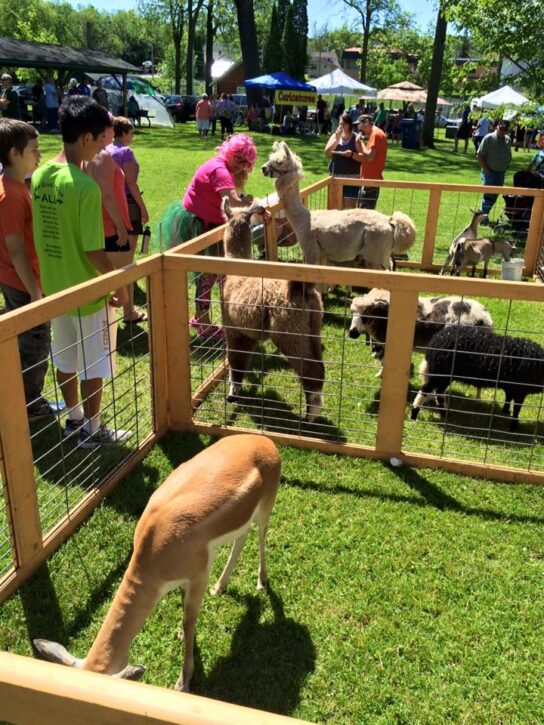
(205,502)
(479,357)
(370,315)
(289,313)
(472,252)
(469,232)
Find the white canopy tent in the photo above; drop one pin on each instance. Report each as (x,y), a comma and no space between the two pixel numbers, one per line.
(505,96)
(340,84)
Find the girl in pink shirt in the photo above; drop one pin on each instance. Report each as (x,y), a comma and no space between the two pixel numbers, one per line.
(200,211)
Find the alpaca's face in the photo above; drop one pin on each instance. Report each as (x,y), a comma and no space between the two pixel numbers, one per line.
(282,161)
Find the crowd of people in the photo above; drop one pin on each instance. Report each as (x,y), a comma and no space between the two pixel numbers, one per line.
(46,99)
(81,219)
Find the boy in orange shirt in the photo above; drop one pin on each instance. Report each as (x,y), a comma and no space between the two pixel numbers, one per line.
(371,155)
(19,272)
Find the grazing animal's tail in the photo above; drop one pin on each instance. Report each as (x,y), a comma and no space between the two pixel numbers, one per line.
(404,232)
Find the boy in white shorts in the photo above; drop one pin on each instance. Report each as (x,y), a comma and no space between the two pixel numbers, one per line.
(69,239)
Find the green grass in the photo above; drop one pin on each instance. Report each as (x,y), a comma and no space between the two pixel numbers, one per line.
(397,595)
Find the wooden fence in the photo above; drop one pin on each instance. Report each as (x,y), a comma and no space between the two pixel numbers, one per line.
(174,404)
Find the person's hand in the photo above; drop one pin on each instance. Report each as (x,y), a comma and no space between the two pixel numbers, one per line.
(267,216)
(119,297)
(248,198)
(122,237)
(36,296)
(145,215)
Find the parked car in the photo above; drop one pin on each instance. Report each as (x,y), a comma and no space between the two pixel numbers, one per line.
(24,92)
(441,121)
(181,108)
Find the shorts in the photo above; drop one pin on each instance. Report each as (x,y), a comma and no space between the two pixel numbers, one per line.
(110,244)
(86,344)
(350,192)
(135,216)
(203,124)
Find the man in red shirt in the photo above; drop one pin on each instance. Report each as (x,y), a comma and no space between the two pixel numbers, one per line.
(371,155)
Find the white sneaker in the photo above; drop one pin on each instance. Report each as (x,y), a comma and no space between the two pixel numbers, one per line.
(104,436)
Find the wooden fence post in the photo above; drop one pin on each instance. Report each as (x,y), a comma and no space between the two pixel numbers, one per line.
(433,212)
(178,354)
(396,371)
(271,240)
(534,236)
(158,336)
(334,195)
(17,461)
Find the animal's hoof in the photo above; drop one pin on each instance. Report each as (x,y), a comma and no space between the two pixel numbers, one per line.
(414,413)
(180,687)
(216,590)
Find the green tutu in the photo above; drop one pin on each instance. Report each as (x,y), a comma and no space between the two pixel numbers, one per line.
(177,225)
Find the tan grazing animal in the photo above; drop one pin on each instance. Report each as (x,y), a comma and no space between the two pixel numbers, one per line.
(289,313)
(469,232)
(349,237)
(471,252)
(209,500)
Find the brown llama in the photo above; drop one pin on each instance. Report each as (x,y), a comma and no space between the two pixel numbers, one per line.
(289,313)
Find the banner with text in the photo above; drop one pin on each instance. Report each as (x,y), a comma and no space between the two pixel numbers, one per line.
(295,98)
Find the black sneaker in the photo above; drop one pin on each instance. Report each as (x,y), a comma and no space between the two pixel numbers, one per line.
(104,436)
(72,427)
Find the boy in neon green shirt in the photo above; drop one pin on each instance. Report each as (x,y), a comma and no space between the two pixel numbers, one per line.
(69,239)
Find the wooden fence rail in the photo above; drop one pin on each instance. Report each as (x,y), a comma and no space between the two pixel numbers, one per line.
(31,691)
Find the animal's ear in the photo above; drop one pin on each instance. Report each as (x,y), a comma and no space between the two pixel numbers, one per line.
(226,208)
(131,672)
(285,148)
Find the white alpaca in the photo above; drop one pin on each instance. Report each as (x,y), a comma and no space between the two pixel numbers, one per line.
(348,237)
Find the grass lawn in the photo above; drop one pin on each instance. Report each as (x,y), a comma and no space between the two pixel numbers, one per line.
(396,595)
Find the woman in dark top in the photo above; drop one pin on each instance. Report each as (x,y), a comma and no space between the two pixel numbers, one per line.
(340,148)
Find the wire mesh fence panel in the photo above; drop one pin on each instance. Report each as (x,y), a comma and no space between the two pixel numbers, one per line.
(106,363)
(6,548)
(507,365)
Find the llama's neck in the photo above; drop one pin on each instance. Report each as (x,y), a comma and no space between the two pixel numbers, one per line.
(131,605)
(238,244)
(289,193)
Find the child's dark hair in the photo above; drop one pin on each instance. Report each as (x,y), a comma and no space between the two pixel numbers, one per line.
(79,115)
(14,134)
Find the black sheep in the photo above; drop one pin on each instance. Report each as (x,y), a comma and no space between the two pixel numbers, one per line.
(476,356)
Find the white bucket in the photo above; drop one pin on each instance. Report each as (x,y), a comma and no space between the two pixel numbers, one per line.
(513,269)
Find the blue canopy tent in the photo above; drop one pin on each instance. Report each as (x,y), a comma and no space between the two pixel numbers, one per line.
(278,81)
(284,84)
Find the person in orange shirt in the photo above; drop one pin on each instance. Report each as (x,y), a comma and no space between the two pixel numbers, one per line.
(203,113)
(371,155)
(19,271)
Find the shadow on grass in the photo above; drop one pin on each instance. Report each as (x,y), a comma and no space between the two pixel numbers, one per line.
(268,662)
(432,496)
(269,412)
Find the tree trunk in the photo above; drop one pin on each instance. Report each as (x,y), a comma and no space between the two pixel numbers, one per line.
(210,32)
(434,78)
(177,65)
(190,48)
(248,43)
(364,49)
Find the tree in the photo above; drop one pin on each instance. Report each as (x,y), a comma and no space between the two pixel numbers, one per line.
(248,41)
(373,14)
(193,11)
(288,43)
(171,12)
(300,25)
(508,31)
(435,76)
(273,55)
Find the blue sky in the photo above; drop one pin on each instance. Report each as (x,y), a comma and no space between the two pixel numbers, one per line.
(333,13)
